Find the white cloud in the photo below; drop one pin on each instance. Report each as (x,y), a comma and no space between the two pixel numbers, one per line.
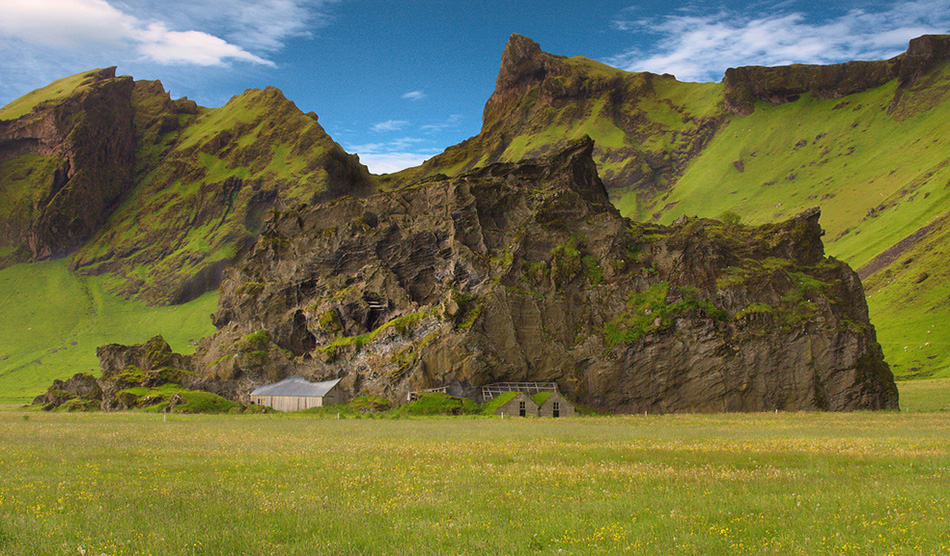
(392,156)
(191,47)
(414,95)
(389,146)
(197,32)
(389,125)
(253,24)
(65,22)
(699,47)
(387,163)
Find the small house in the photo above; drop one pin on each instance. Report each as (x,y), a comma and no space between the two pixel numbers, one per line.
(514,404)
(297,394)
(553,404)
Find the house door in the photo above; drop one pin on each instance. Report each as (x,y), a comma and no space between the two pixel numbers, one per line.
(557,409)
(522,409)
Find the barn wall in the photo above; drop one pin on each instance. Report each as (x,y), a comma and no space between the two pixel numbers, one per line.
(288,403)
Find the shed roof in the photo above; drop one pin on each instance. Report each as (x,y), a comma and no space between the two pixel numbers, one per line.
(297,386)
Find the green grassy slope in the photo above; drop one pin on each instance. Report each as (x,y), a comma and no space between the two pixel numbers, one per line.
(646,126)
(205,198)
(57,90)
(879,169)
(53,320)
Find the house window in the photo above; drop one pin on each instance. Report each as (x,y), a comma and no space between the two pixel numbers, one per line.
(557,409)
(522,409)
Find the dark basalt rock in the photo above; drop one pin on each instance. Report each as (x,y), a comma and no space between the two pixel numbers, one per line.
(525,271)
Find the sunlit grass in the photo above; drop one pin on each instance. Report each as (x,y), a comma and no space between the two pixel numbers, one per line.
(925,395)
(267,484)
(52,321)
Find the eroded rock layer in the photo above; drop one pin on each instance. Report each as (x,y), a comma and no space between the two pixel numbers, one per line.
(525,271)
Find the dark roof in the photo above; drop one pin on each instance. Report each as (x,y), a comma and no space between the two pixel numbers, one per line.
(297,386)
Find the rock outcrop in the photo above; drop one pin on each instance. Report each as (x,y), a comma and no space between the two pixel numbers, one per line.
(185,188)
(525,271)
(64,166)
(778,85)
(543,101)
(148,375)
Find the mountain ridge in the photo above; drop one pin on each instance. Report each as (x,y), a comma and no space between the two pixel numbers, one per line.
(526,272)
(170,158)
(868,152)
(662,148)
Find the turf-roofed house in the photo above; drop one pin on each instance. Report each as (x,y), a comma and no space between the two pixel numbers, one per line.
(537,399)
(297,394)
(552,404)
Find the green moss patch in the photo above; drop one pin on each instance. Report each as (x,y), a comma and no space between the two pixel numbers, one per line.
(402,325)
(541,397)
(192,401)
(651,310)
(437,403)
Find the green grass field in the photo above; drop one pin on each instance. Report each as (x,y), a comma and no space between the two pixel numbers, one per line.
(799,483)
(53,321)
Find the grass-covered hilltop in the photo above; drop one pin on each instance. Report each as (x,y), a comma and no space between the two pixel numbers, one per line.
(866,141)
(122,211)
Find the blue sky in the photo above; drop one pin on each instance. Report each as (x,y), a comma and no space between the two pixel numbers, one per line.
(399,81)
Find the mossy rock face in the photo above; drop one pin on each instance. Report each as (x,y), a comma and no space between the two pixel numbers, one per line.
(58,186)
(130,376)
(79,405)
(82,386)
(150,356)
(492,286)
(226,168)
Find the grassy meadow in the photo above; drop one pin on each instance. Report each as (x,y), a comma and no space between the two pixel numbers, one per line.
(52,321)
(786,483)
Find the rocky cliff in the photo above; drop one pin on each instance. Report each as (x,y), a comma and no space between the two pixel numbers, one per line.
(778,85)
(647,126)
(864,139)
(160,193)
(64,166)
(525,271)
(204,183)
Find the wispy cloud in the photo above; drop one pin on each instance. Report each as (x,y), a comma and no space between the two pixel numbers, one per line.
(415,95)
(389,162)
(698,46)
(258,25)
(389,125)
(97,24)
(191,47)
(394,145)
(391,156)
(449,123)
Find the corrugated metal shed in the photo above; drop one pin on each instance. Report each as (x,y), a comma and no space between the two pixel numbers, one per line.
(296,386)
(296,394)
